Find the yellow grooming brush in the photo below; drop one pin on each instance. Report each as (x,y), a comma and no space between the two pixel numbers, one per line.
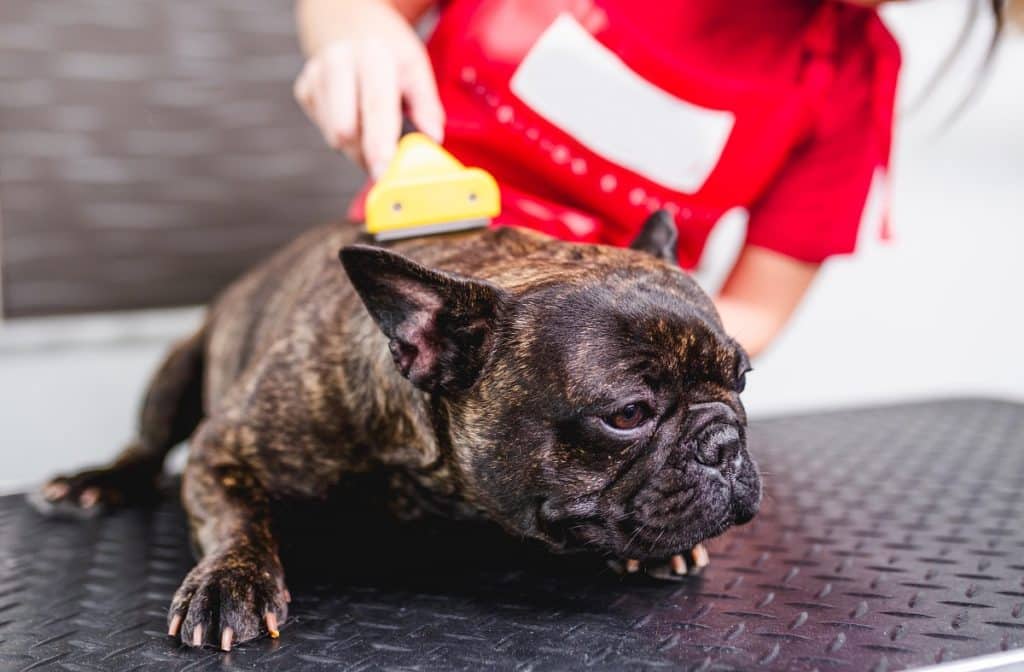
(426,190)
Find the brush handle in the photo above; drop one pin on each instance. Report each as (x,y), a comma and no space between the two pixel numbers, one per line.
(408,127)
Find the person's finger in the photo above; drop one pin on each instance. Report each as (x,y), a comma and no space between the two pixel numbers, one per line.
(321,111)
(380,114)
(318,109)
(348,143)
(340,104)
(420,92)
(312,92)
(304,86)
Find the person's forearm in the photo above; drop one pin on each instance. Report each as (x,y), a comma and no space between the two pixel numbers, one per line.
(753,326)
(317,19)
(761,294)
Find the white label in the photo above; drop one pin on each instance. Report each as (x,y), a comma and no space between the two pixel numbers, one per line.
(583,88)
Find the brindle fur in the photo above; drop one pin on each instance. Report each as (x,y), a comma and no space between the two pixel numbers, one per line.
(290,385)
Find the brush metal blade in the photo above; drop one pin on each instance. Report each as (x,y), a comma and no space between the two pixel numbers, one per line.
(432,229)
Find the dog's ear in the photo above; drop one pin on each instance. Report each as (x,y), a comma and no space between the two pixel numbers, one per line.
(658,237)
(440,326)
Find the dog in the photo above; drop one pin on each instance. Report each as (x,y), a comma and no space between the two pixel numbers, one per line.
(581,395)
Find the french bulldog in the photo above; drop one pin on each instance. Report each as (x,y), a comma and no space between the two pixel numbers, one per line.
(581,395)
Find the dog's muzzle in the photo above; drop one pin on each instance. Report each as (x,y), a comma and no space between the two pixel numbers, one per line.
(671,499)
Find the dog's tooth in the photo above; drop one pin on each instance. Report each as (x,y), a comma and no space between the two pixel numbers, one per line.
(700,556)
(678,565)
(632,566)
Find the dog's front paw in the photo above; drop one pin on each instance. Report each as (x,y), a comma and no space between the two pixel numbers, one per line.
(90,492)
(240,595)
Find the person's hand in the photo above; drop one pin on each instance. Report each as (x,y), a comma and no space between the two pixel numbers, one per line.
(366,61)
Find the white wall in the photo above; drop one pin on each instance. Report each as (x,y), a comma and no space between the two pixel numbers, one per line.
(937,312)
(70,388)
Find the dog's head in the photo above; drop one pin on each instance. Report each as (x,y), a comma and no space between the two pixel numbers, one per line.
(592,405)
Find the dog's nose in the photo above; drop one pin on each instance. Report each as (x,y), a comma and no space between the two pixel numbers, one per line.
(718,446)
(715,436)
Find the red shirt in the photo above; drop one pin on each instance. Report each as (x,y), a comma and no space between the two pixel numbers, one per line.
(593,113)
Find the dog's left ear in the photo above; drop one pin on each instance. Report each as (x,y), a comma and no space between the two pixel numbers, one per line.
(440,326)
(658,237)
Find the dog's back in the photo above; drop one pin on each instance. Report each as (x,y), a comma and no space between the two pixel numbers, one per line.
(303,287)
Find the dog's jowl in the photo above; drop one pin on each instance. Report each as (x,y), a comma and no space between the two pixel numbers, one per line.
(581,395)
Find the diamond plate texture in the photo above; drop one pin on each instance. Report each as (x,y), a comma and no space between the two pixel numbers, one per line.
(889,538)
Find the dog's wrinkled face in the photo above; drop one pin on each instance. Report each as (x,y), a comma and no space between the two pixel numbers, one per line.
(610,418)
(597,409)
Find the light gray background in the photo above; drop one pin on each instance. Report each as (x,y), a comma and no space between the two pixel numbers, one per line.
(935,313)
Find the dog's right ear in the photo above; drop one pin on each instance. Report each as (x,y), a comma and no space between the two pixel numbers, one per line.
(658,237)
(440,326)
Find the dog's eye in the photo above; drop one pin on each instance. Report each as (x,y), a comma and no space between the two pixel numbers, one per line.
(629,416)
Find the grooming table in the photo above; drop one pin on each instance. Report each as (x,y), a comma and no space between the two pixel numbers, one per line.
(889,538)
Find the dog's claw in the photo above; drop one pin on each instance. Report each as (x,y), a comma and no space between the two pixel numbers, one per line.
(271,619)
(678,565)
(89,497)
(172,629)
(55,490)
(225,639)
(197,636)
(632,566)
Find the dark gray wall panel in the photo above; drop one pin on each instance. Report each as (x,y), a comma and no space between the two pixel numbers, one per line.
(150,151)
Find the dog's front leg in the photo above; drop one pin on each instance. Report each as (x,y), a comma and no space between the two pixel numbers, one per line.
(237,589)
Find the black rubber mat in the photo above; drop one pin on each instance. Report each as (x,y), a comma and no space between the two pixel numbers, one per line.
(889,538)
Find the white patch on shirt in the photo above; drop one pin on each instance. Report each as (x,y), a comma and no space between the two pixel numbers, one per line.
(583,88)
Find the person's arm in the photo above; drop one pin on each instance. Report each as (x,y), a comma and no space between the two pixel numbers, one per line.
(814,207)
(760,295)
(365,60)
